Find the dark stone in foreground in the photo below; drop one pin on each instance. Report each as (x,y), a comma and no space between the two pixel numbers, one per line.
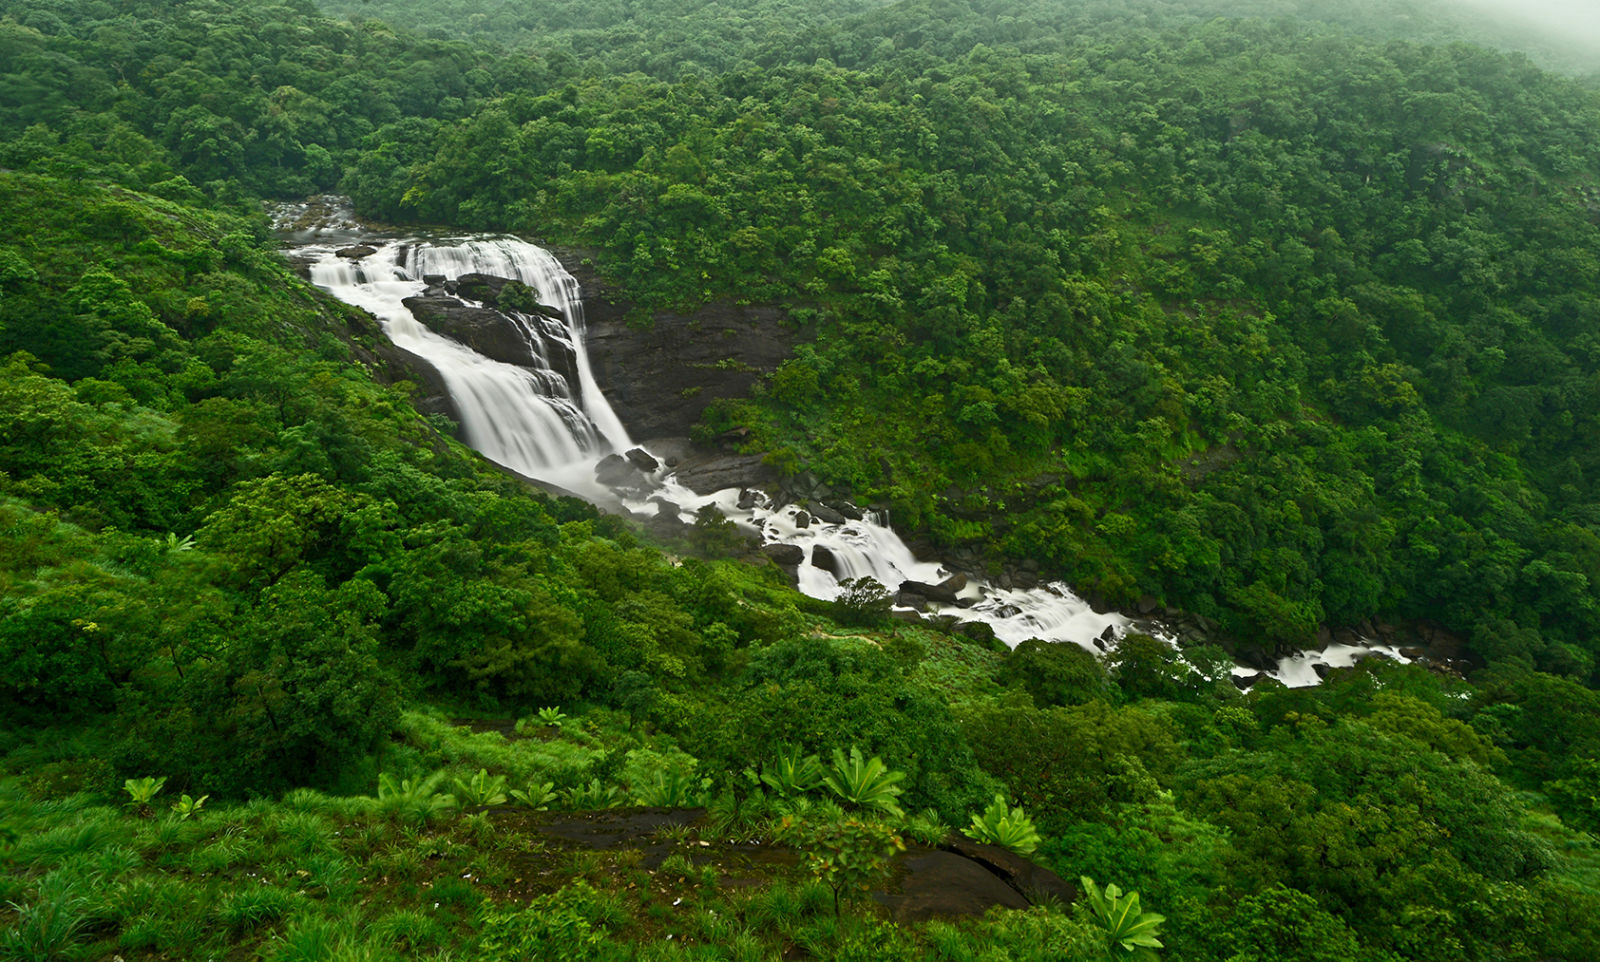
(822,557)
(355,252)
(943,884)
(617,827)
(642,460)
(1033,882)
(827,515)
(615,471)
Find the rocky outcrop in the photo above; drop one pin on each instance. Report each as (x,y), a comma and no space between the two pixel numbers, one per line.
(1033,882)
(944,592)
(660,376)
(706,471)
(784,555)
(498,336)
(355,252)
(619,474)
(944,884)
(642,460)
(503,293)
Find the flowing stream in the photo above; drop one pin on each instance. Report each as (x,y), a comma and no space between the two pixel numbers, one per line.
(532,419)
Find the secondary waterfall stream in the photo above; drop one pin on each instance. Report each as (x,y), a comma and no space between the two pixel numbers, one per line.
(548,419)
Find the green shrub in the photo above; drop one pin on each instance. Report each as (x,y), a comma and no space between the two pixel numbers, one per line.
(1007,827)
(790,773)
(865,783)
(480,790)
(572,925)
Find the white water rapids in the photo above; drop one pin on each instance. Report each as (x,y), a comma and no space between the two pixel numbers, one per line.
(531,420)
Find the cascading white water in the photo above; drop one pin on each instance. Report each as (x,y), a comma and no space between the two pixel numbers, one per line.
(526,418)
(532,420)
(871,549)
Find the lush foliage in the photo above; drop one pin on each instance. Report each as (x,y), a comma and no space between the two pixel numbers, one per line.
(1005,826)
(1280,322)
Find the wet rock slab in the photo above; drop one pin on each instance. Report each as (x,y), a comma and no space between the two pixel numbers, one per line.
(946,884)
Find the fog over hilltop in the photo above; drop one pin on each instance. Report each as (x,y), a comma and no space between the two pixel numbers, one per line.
(1574,22)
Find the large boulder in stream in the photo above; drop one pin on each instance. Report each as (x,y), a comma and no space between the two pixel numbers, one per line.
(822,557)
(704,472)
(944,592)
(618,473)
(505,294)
(531,341)
(784,555)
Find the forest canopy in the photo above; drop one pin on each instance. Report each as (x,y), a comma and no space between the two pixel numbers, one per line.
(1283,315)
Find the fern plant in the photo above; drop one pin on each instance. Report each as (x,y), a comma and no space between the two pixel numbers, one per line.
(1129,932)
(865,783)
(480,790)
(791,774)
(1007,827)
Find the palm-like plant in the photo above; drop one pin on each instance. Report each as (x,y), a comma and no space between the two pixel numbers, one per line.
(865,783)
(592,796)
(792,774)
(481,789)
(417,799)
(1129,932)
(1007,827)
(672,788)
(537,796)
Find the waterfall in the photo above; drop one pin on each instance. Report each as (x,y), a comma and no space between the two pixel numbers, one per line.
(528,418)
(533,419)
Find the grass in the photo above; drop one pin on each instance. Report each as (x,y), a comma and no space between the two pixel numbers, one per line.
(312,876)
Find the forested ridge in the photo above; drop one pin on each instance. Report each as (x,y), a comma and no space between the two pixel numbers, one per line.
(1287,318)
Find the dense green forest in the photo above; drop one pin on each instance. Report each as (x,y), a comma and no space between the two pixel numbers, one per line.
(1285,317)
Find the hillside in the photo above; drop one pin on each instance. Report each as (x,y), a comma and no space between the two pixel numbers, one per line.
(1283,323)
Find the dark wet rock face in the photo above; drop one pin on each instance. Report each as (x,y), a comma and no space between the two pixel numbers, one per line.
(432,395)
(660,377)
(1033,882)
(642,460)
(787,555)
(530,341)
(945,591)
(940,884)
(704,472)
